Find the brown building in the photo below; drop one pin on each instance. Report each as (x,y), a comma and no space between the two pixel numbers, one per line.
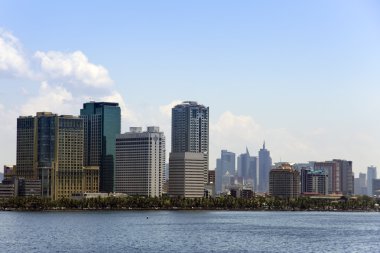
(284,181)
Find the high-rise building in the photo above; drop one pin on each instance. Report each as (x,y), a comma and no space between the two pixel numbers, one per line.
(140,162)
(284,182)
(333,172)
(371,175)
(252,172)
(25,147)
(225,164)
(190,149)
(360,184)
(314,181)
(243,164)
(186,172)
(346,179)
(247,169)
(190,131)
(265,165)
(102,122)
(56,150)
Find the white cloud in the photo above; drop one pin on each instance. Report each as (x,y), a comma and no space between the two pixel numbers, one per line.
(55,99)
(7,136)
(73,67)
(12,59)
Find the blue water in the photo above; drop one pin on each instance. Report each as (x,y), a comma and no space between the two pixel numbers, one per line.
(189,231)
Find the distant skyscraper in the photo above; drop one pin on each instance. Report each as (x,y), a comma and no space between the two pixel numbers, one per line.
(190,130)
(225,164)
(371,175)
(265,165)
(244,161)
(56,152)
(247,169)
(252,172)
(140,162)
(102,122)
(360,184)
(284,182)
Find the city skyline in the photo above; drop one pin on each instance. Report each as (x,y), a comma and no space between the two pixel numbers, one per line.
(308,88)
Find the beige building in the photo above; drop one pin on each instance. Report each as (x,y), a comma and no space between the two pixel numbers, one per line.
(284,181)
(50,148)
(186,175)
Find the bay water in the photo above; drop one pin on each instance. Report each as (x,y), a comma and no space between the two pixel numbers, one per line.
(189,231)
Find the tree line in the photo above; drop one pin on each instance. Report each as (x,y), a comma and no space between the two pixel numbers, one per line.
(361,203)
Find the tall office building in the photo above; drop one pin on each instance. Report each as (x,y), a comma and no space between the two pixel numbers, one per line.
(371,175)
(252,173)
(190,131)
(25,147)
(314,181)
(265,165)
(190,150)
(140,162)
(102,122)
(333,172)
(225,164)
(56,152)
(247,169)
(360,184)
(346,176)
(284,182)
(243,163)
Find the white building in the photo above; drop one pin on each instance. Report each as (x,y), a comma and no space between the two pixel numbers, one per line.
(140,162)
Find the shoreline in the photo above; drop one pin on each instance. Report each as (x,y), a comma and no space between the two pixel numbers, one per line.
(179,210)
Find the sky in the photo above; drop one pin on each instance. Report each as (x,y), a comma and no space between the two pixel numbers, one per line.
(302,75)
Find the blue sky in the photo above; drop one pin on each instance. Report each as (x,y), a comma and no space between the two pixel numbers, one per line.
(303,75)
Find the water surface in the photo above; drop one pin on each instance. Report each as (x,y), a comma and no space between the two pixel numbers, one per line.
(189,231)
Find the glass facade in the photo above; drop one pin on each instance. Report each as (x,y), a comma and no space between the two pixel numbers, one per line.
(102,124)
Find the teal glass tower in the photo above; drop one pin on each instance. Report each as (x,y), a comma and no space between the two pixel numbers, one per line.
(102,122)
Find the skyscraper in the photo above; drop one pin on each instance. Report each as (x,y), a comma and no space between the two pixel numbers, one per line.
(265,165)
(225,164)
(102,122)
(371,175)
(190,131)
(247,169)
(314,181)
(56,151)
(188,160)
(333,172)
(25,147)
(360,185)
(346,176)
(140,162)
